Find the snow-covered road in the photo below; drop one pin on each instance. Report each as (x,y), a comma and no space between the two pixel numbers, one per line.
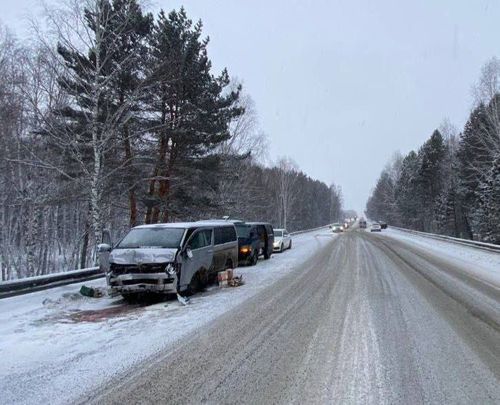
(57,346)
(370,320)
(353,318)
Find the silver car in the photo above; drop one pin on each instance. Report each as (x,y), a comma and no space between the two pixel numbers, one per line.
(375,227)
(282,240)
(163,258)
(337,228)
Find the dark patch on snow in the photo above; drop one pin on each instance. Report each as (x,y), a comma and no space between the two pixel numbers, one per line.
(101,315)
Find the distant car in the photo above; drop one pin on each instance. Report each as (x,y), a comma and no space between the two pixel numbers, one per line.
(362,224)
(282,240)
(383,224)
(375,227)
(337,228)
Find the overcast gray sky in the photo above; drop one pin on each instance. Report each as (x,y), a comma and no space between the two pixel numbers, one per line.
(340,85)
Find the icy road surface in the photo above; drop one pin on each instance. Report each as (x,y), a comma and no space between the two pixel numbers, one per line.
(353,318)
(57,346)
(371,319)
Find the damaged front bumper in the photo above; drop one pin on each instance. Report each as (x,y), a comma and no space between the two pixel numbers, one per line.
(150,282)
(134,278)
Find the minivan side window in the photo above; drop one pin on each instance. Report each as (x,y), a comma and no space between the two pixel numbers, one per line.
(201,239)
(230,234)
(224,235)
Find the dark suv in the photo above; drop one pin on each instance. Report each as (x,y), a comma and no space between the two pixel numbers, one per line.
(254,239)
(265,238)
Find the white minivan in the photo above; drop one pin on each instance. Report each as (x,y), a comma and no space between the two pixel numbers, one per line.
(164,258)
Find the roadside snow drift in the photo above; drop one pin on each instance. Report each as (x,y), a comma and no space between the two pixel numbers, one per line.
(57,345)
(480,264)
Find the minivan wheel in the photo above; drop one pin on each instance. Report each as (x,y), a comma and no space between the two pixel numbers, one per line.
(198,282)
(267,255)
(130,298)
(290,246)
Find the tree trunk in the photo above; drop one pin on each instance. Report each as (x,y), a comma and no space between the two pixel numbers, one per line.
(83,253)
(131,192)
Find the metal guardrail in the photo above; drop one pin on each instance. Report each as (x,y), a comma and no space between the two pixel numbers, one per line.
(466,242)
(309,230)
(32,284)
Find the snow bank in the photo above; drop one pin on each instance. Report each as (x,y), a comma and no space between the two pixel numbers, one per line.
(56,345)
(479,263)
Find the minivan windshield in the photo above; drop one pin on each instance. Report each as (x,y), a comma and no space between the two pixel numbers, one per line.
(152,237)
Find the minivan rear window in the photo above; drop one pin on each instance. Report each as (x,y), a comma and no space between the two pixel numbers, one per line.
(152,237)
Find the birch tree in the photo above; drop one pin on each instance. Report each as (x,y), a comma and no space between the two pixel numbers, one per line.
(286,190)
(92,59)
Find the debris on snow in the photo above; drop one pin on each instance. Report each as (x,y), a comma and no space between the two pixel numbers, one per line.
(236,281)
(92,292)
(223,277)
(183,300)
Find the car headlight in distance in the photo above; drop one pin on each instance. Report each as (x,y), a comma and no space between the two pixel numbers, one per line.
(170,269)
(245,249)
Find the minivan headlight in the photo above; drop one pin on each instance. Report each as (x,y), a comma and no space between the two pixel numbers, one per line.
(170,269)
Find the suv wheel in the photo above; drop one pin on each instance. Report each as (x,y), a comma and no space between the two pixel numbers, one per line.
(254,258)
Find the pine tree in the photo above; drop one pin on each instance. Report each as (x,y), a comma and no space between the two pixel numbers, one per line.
(488,211)
(192,111)
(473,161)
(406,191)
(127,90)
(98,82)
(432,155)
(381,205)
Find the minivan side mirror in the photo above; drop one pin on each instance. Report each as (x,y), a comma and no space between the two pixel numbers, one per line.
(106,237)
(103,247)
(189,253)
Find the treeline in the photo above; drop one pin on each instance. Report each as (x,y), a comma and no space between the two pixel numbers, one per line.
(451,185)
(113,117)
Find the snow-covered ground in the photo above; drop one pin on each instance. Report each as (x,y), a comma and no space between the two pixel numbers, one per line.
(480,264)
(56,345)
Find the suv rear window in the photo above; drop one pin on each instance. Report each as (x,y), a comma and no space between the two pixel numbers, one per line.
(243,230)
